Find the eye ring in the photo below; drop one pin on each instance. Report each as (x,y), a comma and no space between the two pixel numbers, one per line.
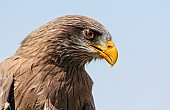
(89,33)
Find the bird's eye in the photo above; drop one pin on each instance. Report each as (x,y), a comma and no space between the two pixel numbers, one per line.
(89,34)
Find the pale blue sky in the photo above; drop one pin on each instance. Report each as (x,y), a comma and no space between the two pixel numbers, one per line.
(140,29)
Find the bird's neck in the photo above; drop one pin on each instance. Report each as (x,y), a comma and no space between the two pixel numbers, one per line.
(75,71)
(75,86)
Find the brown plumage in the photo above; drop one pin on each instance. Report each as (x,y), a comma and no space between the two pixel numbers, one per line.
(47,71)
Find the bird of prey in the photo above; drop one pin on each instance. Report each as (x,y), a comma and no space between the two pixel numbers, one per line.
(47,72)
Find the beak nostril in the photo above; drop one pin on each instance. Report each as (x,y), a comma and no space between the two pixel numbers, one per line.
(109,46)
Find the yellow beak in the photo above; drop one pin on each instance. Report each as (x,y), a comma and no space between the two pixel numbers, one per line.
(109,53)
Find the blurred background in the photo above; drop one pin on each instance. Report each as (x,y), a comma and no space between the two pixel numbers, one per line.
(140,80)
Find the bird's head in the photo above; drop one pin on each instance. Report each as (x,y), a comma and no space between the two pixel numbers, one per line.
(73,39)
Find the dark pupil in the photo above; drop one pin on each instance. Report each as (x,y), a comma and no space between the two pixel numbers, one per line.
(90,33)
